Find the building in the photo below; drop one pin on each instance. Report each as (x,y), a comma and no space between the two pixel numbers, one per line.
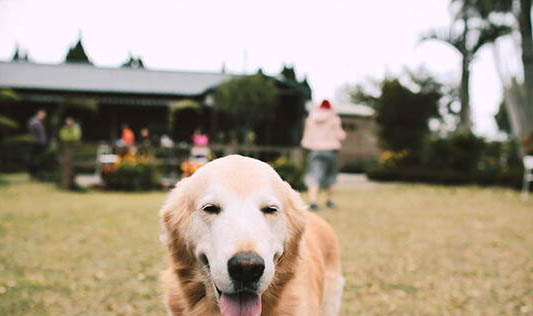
(134,95)
(361,144)
(103,99)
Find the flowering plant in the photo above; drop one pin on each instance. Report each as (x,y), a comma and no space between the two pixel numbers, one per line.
(189,167)
(130,173)
(390,158)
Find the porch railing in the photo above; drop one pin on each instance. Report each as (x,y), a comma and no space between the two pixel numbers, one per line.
(86,155)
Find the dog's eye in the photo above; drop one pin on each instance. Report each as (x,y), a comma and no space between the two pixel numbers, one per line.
(269,209)
(211,208)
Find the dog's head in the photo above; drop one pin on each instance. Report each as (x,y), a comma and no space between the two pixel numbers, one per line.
(238,225)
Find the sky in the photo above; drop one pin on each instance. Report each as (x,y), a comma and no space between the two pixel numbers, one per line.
(332,43)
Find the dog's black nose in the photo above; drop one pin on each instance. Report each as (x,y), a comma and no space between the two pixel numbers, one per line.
(246,267)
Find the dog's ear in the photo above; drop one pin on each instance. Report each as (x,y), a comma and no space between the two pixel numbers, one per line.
(174,210)
(295,212)
(296,219)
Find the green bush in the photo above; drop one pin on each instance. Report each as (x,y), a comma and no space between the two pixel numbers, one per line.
(419,174)
(403,111)
(131,175)
(509,178)
(358,166)
(459,159)
(14,153)
(460,152)
(291,172)
(48,165)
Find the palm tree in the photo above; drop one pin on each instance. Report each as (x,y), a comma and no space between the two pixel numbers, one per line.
(524,106)
(468,33)
(518,93)
(522,14)
(527,46)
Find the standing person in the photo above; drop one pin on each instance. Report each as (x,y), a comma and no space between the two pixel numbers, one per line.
(199,138)
(128,137)
(37,130)
(70,132)
(145,142)
(199,151)
(323,135)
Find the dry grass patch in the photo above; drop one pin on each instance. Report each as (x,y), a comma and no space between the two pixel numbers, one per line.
(428,250)
(407,250)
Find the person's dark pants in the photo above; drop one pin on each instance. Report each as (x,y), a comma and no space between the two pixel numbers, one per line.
(321,168)
(34,159)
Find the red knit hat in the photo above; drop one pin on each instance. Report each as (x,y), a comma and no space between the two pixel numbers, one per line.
(325,105)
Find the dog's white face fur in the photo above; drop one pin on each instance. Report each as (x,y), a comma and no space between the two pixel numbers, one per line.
(233,204)
(240,225)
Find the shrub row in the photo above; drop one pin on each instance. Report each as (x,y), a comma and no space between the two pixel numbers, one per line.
(457,159)
(510,178)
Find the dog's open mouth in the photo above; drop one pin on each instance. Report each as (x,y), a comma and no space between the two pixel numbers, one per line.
(240,304)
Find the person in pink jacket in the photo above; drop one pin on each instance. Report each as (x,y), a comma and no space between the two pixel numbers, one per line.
(323,135)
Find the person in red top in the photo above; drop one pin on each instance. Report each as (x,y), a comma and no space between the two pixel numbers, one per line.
(128,137)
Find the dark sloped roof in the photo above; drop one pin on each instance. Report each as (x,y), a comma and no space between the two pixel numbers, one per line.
(86,78)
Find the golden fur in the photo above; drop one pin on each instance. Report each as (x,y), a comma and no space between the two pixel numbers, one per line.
(307,279)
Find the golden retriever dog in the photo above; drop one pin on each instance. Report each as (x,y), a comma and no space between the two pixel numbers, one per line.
(241,243)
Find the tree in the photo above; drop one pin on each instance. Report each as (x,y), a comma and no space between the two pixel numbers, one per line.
(518,94)
(288,73)
(6,122)
(173,111)
(524,21)
(288,76)
(77,54)
(19,55)
(502,119)
(469,32)
(133,62)
(402,113)
(251,100)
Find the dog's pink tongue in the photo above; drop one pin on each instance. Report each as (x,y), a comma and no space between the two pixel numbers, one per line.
(240,305)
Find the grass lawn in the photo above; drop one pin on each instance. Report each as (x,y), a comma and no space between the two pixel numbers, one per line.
(407,250)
